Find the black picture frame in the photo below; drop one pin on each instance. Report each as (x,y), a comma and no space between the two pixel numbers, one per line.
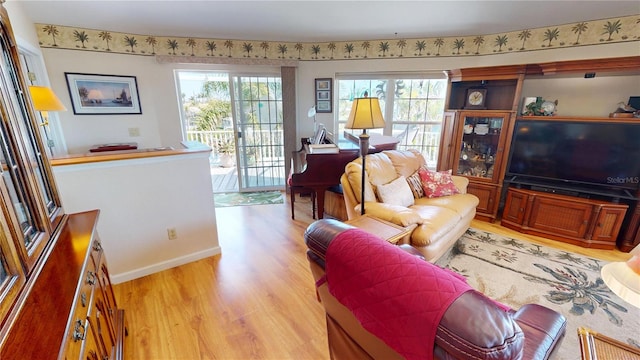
(96,94)
(324,95)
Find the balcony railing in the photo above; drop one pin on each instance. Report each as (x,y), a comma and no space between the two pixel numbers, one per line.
(268,143)
(262,143)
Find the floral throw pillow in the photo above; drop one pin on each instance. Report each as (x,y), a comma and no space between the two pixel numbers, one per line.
(437,183)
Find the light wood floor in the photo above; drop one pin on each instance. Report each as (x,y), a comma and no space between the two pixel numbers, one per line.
(254,301)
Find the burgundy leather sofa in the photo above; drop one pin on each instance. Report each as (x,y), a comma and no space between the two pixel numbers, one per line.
(472,327)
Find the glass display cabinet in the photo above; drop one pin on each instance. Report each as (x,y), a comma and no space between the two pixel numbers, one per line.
(475,145)
(479,144)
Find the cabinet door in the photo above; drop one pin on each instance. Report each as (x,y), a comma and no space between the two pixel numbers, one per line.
(447,153)
(515,207)
(482,137)
(560,217)
(25,171)
(12,276)
(608,223)
(486,193)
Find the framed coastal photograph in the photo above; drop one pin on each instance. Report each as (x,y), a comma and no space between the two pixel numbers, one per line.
(323,95)
(94,94)
(323,106)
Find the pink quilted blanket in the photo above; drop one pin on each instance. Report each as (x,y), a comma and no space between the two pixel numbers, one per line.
(396,296)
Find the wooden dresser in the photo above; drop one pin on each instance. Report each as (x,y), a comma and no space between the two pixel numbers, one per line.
(67,309)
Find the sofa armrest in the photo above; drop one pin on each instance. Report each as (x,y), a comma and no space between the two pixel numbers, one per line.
(395,214)
(461,183)
(320,233)
(475,327)
(544,329)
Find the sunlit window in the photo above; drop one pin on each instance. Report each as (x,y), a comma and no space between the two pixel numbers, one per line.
(413,108)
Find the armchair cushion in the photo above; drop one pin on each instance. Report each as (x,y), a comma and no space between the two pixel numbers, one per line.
(399,215)
(396,192)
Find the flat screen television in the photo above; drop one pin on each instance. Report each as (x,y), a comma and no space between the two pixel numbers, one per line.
(588,154)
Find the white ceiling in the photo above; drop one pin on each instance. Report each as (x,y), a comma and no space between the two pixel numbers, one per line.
(318,21)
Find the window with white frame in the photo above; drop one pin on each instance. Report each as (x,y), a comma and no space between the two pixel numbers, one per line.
(412,105)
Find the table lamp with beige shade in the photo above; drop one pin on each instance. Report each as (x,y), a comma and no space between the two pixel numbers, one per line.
(45,100)
(623,278)
(365,114)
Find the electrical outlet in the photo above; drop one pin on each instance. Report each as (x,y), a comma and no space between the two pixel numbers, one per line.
(134,132)
(172,233)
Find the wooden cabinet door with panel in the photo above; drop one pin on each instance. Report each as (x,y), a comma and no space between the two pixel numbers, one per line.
(487,194)
(558,216)
(515,207)
(607,225)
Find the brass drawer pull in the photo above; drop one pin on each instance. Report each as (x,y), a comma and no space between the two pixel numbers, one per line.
(78,331)
(91,278)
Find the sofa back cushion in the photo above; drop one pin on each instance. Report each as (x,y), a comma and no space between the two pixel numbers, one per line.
(379,171)
(405,162)
(353,171)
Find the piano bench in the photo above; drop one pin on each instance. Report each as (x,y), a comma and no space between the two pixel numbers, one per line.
(302,190)
(334,206)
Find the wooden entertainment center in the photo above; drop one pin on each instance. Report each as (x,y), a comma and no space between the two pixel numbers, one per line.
(475,143)
(579,221)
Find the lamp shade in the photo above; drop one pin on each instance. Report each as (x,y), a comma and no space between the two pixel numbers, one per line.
(623,278)
(44,99)
(365,114)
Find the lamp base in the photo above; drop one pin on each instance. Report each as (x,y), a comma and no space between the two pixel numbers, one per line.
(364,149)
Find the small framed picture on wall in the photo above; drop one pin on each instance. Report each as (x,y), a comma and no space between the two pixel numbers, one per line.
(324,98)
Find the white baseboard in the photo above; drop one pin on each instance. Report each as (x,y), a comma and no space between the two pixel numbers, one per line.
(151,269)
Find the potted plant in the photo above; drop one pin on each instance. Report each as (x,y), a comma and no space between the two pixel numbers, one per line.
(226,151)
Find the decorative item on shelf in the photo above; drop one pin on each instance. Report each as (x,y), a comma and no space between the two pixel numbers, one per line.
(476,99)
(481,129)
(365,114)
(623,278)
(623,111)
(468,129)
(541,107)
(526,102)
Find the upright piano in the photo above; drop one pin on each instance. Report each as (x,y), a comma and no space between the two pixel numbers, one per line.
(319,172)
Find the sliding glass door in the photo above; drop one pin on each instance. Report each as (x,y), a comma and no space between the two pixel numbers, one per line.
(257,112)
(240,117)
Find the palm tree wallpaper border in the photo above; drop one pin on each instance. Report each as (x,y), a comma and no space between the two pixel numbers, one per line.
(586,33)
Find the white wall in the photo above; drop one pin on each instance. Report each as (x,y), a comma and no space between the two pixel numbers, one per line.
(139,199)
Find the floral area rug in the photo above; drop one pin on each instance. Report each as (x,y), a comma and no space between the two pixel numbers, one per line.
(517,272)
(248,198)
